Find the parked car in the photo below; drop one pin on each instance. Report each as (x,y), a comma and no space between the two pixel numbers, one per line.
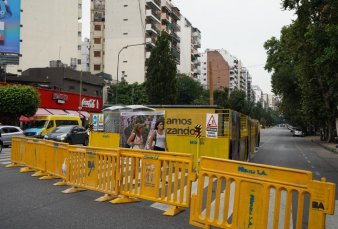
(298,132)
(6,134)
(72,134)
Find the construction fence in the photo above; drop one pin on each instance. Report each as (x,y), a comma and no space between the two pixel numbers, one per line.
(229,193)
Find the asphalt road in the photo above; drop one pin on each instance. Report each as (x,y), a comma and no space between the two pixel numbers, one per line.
(27,202)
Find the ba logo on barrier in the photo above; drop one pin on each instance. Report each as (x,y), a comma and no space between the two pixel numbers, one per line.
(318,205)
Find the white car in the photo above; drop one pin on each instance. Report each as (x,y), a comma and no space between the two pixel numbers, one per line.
(6,134)
(298,132)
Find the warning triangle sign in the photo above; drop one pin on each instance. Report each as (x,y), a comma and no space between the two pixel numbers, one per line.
(212,122)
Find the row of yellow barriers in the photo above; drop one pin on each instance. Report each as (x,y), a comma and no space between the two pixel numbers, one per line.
(230,194)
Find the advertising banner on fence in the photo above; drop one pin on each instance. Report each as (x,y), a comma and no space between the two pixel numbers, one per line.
(10,26)
(129,120)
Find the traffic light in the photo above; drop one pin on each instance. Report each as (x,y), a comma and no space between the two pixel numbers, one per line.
(198,130)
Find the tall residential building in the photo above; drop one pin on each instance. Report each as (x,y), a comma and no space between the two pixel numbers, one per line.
(258,94)
(189,45)
(85,47)
(127,31)
(50,31)
(220,69)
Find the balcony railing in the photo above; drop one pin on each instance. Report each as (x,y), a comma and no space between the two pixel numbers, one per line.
(176,37)
(150,28)
(165,17)
(153,15)
(154,4)
(150,41)
(176,13)
(166,5)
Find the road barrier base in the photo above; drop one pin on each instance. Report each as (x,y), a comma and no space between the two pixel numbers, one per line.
(73,190)
(124,200)
(39,174)
(48,177)
(12,165)
(26,170)
(105,197)
(174,210)
(60,183)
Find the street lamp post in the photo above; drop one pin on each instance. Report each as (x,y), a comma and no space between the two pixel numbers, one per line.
(117,68)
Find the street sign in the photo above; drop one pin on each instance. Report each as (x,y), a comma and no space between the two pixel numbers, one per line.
(211,126)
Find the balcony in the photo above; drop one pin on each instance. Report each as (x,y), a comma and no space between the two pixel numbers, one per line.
(151,29)
(155,5)
(196,35)
(176,37)
(176,53)
(165,29)
(175,27)
(166,5)
(196,53)
(150,42)
(176,13)
(165,18)
(153,16)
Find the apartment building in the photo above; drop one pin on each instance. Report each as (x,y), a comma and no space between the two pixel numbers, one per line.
(258,94)
(47,35)
(189,45)
(124,32)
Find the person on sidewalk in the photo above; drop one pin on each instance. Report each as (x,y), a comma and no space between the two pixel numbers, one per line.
(158,136)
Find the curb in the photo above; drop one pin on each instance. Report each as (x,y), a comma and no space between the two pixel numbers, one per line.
(333,150)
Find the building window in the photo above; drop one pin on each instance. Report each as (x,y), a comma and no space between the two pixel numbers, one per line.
(97,40)
(78,61)
(126,19)
(125,33)
(97,67)
(79,47)
(84,89)
(97,54)
(125,5)
(71,87)
(125,61)
(97,93)
(97,27)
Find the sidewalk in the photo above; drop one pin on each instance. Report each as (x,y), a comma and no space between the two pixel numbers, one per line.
(329,146)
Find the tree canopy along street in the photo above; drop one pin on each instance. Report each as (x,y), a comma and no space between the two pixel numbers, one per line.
(304,66)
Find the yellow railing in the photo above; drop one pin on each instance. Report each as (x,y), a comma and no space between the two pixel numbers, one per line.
(246,195)
(156,176)
(17,151)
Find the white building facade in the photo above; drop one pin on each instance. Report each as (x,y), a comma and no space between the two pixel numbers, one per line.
(50,31)
(124,32)
(85,60)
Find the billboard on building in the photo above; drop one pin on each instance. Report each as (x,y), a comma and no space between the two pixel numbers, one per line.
(10,26)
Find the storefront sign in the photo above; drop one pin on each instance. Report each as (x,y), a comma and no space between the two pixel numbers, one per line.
(90,103)
(60,98)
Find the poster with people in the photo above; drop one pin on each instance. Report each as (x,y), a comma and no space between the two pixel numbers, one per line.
(143,123)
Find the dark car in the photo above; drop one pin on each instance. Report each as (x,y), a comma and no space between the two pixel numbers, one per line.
(6,134)
(71,134)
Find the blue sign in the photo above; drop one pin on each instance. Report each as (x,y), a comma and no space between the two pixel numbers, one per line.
(95,122)
(10,26)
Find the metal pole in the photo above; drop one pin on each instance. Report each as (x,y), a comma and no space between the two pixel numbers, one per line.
(117,67)
(80,104)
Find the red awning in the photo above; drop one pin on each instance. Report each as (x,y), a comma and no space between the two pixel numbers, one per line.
(85,113)
(57,111)
(42,111)
(73,112)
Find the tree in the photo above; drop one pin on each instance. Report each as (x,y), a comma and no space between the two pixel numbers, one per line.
(128,93)
(221,97)
(306,55)
(161,73)
(18,100)
(189,91)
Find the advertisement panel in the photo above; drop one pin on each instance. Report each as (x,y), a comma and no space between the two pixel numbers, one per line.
(10,26)
(129,119)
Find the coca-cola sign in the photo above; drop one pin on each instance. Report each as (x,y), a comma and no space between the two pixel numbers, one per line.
(90,103)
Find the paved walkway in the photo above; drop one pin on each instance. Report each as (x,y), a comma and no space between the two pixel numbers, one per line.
(333,147)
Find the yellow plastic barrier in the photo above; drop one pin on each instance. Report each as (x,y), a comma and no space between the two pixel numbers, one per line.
(94,169)
(29,156)
(17,151)
(240,195)
(56,154)
(156,176)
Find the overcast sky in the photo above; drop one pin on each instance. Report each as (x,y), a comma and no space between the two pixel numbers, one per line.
(239,26)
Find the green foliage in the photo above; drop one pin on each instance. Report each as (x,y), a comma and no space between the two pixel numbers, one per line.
(189,91)
(128,94)
(161,73)
(221,97)
(304,64)
(18,100)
